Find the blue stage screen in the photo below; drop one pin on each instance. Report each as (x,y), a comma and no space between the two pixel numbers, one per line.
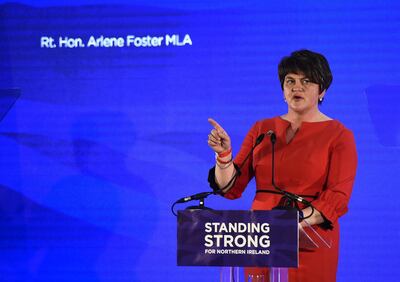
(111,126)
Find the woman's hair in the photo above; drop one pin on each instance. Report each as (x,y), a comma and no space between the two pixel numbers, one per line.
(313,65)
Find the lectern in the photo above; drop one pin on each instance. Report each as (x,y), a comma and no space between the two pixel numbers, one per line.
(237,238)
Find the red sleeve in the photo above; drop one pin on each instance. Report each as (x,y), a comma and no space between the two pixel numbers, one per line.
(333,200)
(245,166)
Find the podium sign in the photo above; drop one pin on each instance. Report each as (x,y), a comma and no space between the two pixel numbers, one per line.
(238,238)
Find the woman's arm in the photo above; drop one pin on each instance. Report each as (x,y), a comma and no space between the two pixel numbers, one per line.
(333,201)
(220,142)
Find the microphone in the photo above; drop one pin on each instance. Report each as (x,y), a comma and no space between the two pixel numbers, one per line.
(237,173)
(288,195)
(259,139)
(203,195)
(272,135)
(197,196)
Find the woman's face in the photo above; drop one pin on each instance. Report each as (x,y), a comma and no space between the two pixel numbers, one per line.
(301,94)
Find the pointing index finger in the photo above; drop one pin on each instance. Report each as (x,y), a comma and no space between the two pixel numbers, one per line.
(215,125)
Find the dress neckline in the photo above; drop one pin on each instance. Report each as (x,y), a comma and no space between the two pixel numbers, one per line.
(285,124)
(307,122)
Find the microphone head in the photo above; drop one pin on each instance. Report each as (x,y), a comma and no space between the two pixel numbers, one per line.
(259,139)
(272,135)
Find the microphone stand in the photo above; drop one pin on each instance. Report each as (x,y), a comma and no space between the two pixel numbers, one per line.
(202,196)
(200,206)
(287,205)
(198,196)
(292,199)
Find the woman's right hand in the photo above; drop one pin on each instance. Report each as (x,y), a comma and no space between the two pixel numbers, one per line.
(218,139)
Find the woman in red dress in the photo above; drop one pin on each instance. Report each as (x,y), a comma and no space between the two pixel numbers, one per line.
(315,157)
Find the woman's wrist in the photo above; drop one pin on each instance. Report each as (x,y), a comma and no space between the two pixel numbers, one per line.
(225,153)
(223,160)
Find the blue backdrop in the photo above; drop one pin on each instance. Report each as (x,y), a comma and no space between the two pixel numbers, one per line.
(103,139)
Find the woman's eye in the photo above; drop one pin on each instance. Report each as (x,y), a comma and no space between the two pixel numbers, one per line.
(306,81)
(289,82)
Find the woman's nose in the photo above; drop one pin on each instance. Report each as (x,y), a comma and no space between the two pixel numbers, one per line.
(297,86)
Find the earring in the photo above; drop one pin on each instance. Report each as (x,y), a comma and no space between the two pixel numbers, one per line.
(321,99)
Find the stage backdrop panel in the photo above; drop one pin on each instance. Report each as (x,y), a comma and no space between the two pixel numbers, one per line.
(111,125)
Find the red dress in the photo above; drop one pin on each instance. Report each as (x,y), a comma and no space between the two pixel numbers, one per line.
(320,160)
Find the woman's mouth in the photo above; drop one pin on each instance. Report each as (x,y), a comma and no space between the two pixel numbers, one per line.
(297,98)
